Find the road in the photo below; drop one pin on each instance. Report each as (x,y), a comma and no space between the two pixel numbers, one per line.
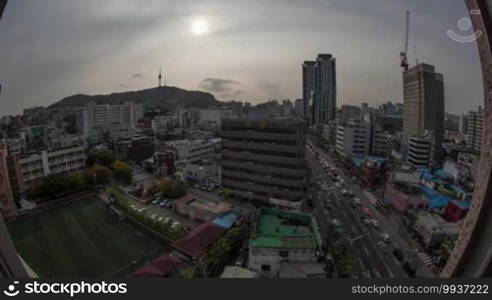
(373,255)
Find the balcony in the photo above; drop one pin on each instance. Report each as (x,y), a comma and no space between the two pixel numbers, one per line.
(247,186)
(260,146)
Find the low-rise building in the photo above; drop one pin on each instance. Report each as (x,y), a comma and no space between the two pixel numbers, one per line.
(432,230)
(420,152)
(33,168)
(200,209)
(279,237)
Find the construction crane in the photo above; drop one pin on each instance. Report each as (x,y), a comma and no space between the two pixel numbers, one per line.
(403,54)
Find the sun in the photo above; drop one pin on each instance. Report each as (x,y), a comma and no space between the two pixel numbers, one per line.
(199,27)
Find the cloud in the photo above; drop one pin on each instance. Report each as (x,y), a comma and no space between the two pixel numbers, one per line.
(217,85)
(223,88)
(136,75)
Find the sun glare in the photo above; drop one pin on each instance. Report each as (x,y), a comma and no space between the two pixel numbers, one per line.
(199,27)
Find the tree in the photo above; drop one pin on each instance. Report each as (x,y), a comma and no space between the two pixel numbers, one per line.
(172,188)
(103,157)
(122,171)
(98,174)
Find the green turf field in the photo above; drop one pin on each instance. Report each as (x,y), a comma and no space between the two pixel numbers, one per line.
(83,239)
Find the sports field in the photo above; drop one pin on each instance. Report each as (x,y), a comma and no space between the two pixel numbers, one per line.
(83,239)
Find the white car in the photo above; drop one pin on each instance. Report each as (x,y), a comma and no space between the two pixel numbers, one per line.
(385,237)
(374,223)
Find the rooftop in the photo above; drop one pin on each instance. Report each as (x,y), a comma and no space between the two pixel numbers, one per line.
(282,229)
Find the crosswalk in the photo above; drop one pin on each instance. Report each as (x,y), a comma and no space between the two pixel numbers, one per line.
(425,258)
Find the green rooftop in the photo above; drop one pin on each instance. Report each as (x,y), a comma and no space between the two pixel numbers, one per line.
(282,229)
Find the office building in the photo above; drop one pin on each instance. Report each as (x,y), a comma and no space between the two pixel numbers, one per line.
(423,93)
(353,139)
(263,161)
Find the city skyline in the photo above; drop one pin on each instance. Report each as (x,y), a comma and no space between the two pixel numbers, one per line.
(365,39)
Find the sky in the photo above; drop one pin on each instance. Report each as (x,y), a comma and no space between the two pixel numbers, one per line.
(245,50)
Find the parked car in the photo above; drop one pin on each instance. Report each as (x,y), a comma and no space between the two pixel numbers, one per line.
(366,211)
(366,221)
(163,202)
(398,254)
(357,202)
(385,237)
(156,201)
(336,223)
(374,223)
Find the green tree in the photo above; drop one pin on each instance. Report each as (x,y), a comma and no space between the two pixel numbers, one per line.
(172,188)
(122,171)
(103,157)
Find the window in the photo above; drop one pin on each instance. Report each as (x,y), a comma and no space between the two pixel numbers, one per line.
(283,253)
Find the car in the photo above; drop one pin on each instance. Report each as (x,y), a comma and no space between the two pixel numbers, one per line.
(385,237)
(336,223)
(374,223)
(351,194)
(163,202)
(156,201)
(398,254)
(357,202)
(203,188)
(366,221)
(344,192)
(366,211)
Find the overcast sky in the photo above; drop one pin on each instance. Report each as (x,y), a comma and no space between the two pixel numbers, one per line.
(252,51)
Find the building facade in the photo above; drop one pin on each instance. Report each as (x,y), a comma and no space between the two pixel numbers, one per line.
(263,161)
(325,89)
(475,129)
(420,152)
(35,167)
(423,94)
(353,139)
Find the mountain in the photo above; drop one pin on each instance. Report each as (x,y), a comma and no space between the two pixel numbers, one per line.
(166,97)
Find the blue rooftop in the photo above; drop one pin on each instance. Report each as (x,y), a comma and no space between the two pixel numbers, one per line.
(226,220)
(436,200)
(442,174)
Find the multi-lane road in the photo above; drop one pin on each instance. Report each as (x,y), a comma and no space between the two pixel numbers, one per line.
(374,255)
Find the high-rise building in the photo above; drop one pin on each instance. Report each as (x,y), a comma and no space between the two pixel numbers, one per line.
(299,107)
(475,130)
(308,86)
(325,89)
(423,93)
(263,160)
